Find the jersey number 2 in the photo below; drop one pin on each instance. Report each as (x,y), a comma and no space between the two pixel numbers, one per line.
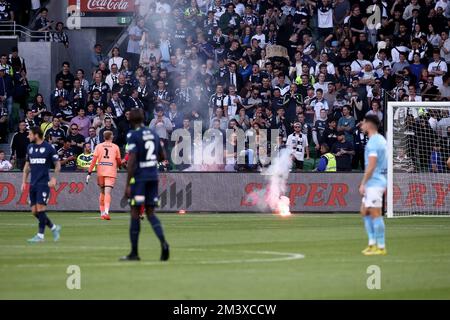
(150,147)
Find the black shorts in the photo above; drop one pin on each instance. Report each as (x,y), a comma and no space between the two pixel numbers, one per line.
(39,194)
(298,164)
(325,32)
(145,193)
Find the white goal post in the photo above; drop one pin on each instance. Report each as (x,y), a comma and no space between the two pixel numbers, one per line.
(418,138)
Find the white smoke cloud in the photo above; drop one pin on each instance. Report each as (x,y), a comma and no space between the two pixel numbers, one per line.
(277,175)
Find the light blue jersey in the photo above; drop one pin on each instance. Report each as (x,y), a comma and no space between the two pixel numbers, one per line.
(376,146)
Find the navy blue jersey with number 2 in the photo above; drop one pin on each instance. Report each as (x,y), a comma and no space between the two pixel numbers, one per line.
(144,143)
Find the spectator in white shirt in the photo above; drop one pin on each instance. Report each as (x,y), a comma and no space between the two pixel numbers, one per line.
(219,116)
(115,58)
(380,62)
(321,84)
(433,119)
(412,94)
(395,52)
(358,64)
(234,102)
(161,124)
(441,3)
(5,165)
(324,60)
(444,124)
(218,9)
(319,103)
(134,47)
(437,68)
(113,77)
(297,143)
(324,19)
(445,46)
(260,36)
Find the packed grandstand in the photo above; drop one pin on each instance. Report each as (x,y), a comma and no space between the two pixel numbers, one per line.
(311,70)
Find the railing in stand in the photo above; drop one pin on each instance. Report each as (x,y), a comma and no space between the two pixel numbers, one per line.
(13,29)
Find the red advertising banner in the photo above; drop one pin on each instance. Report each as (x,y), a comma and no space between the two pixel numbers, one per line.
(104,6)
(233,192)
(198,192)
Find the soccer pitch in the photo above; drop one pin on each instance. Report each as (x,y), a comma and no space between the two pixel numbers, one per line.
(225,256)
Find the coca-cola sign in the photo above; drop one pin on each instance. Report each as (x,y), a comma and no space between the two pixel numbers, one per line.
(100,6)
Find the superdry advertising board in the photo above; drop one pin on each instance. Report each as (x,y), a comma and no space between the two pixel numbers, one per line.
(197,192)
(232,192)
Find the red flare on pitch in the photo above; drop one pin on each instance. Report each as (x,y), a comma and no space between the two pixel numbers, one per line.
(283,206)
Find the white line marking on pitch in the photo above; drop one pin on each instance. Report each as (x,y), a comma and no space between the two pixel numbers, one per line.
(283,256)
(286,256)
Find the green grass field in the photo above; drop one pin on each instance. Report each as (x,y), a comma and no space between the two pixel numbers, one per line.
(225,256)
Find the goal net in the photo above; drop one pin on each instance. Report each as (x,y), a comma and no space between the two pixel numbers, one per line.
(418,136)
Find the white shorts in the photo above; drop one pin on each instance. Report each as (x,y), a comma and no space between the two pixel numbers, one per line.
(373,198)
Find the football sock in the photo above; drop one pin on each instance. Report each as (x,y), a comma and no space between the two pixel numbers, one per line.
(369,229)
(107,203)
(157,227)
(101,201)
(42,217)
(50,224)
(378,226)
(135,228)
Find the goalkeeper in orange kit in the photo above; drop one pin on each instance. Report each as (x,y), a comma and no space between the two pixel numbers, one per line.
(108,160)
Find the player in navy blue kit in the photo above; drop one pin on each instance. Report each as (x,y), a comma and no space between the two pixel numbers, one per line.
(40,157)
(145,152)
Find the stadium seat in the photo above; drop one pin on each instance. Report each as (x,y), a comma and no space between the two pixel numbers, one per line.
(309,164)
(34,85)
(16,112)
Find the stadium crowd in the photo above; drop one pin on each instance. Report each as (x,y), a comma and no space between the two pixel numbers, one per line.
(312,69)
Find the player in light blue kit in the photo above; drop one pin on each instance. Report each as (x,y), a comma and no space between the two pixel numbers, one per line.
(373,186)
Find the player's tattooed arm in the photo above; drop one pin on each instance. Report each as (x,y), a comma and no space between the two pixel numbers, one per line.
(26,172)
